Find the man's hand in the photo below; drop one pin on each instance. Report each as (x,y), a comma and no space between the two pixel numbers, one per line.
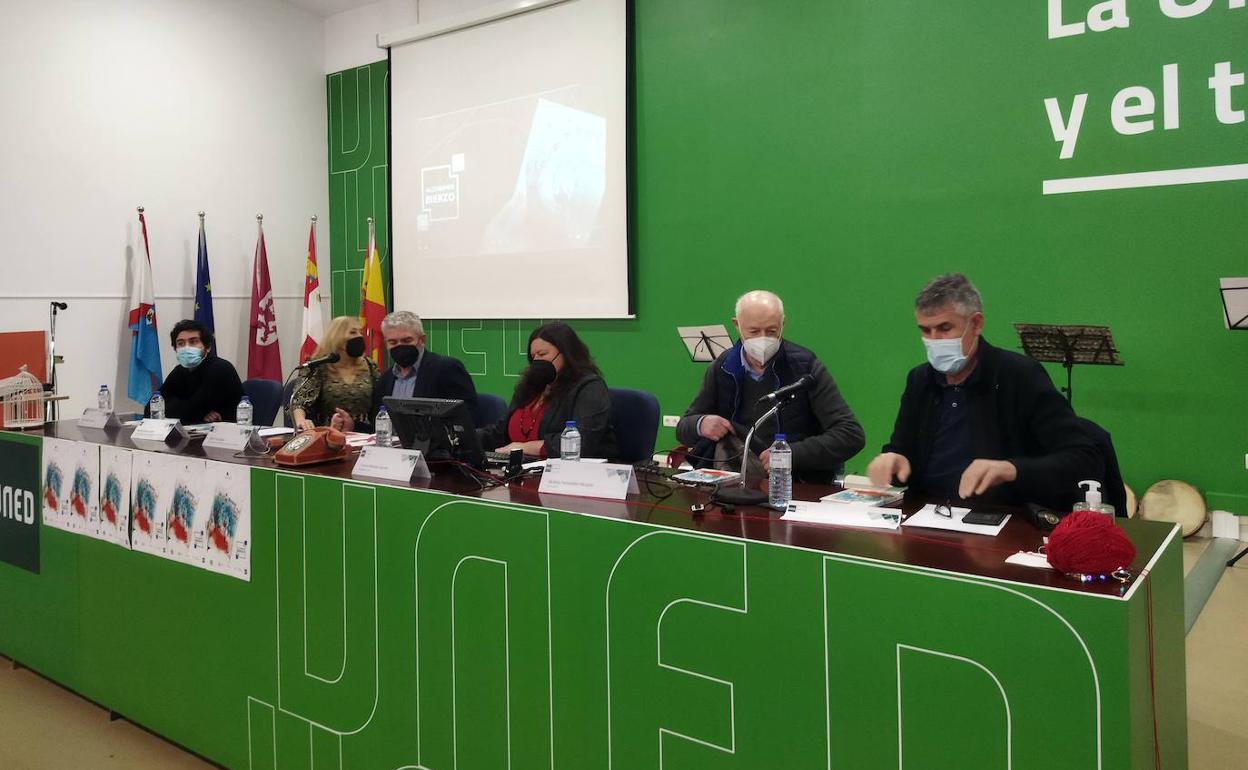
(714,427)
(342,421)
(765,459)
(304,424)
(212,417)
(884,468)
(982,475)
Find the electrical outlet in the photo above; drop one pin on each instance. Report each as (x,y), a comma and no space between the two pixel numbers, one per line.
(670,420)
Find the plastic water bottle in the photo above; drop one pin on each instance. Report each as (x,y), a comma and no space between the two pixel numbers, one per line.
(105,399)
(157,406)
(780,484)
(384,428)
(570,442)
(245,411)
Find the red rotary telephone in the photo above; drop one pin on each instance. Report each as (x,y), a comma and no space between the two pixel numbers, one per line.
(315,445)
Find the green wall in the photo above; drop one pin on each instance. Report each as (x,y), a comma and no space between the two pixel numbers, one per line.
(842,153)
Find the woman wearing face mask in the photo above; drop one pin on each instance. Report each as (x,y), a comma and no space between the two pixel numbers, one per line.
(561,383)
(346,384)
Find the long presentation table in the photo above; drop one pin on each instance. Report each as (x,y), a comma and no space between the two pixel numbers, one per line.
(446,627)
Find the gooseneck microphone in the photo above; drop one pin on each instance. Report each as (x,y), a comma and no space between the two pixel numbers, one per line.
(788,391)
(312,363)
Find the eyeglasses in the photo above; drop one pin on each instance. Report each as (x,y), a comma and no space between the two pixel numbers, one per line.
(945,509)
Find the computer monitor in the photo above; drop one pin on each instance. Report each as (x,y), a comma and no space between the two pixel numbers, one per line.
(441,428)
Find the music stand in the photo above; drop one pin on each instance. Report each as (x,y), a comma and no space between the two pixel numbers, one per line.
(705,343)
(1069,345)
(1235,303)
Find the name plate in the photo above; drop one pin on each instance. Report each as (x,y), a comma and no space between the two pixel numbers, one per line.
(98,419)
(610,480)
(391,464)
(228,435)
(150,429)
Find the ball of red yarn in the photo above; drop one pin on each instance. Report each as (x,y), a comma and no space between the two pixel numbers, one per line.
(1089,543)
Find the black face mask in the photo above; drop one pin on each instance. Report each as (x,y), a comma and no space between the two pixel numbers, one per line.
(355,347)
(404,355)
(541,373)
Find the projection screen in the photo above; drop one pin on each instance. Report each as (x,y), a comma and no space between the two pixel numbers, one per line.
(509,183)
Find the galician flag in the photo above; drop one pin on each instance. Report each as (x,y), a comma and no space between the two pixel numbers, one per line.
(203,282)
(145,373)
(313,328)
(264,360)
(372,300)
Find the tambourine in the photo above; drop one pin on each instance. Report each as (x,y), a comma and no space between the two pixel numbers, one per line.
(1175,501)
(1132,503)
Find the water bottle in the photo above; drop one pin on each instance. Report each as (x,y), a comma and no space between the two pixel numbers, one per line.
(384,428)
(157,406)
(780,484)
(570,442)
(245,410)
(105,399)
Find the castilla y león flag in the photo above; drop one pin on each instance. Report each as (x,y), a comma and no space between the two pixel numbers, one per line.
(312,326)
(264,359)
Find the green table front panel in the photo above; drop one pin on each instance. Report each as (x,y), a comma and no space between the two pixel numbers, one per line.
(391,628)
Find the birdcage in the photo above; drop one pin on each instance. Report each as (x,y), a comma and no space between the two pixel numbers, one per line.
(22,398)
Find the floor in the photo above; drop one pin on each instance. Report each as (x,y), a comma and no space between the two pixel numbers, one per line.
(45,726)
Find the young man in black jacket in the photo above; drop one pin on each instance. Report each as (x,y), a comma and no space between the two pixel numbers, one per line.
(817,422)
(416,372)
(980,422)
(203,387)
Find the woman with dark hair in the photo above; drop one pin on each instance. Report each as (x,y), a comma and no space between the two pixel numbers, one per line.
(561,383)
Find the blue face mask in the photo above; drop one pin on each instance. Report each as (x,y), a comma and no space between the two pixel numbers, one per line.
(946,356)
(190,357)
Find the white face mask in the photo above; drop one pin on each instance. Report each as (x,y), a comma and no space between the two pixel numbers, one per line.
(761,349)
(946,356)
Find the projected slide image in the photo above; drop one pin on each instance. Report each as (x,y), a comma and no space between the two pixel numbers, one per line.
(523,176)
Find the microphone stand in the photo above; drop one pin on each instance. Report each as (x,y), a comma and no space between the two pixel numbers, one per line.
(740,494)
(50,413)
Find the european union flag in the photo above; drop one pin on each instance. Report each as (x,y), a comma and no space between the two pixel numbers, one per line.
(203,283)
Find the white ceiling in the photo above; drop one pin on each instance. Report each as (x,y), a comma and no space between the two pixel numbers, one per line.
(330,7)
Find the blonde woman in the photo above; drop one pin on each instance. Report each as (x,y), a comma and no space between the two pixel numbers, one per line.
(345,386)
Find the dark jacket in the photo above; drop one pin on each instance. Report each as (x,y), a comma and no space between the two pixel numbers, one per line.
(438,377)
(818,424)
(1017,415)
(190,394)
(587,401)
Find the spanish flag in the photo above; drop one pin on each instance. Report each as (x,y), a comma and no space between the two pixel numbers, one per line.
(372,300)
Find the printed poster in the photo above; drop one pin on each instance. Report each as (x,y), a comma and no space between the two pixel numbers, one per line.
(71,475)
(182,490)
(147,529)
(114,516)
(223,537)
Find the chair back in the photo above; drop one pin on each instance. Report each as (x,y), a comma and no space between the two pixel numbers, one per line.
(1113,489)
(287,390)
(489,409)
(266,399)
(635,415)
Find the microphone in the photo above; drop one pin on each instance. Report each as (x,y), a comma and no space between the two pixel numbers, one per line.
(312,363)
(788,391)
(60,305)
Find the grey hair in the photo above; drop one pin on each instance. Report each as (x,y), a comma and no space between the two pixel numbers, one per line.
(405,319)
(760,296)
(950,289)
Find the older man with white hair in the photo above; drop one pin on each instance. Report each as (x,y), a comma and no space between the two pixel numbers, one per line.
(817,423)
(980,422)
(416,372)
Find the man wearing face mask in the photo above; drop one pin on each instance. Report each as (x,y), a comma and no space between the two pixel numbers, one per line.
(416,373)
(978,421)
(203,387)
(818,424)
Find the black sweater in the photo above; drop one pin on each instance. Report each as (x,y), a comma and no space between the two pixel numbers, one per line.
(587,401)
(1016,415)
(190,394)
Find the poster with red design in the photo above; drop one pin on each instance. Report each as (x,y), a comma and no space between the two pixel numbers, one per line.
(71,476)
(182,489)
(147,501)
(114,517)
(223,531)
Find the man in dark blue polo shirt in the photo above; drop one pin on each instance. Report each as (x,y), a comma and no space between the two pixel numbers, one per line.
(978,421)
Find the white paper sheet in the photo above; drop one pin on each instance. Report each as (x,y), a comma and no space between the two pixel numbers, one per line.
(843,515)
(71,479)
(1029,559)
(115,476)
(222,541)
(928,518)
(185,503)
